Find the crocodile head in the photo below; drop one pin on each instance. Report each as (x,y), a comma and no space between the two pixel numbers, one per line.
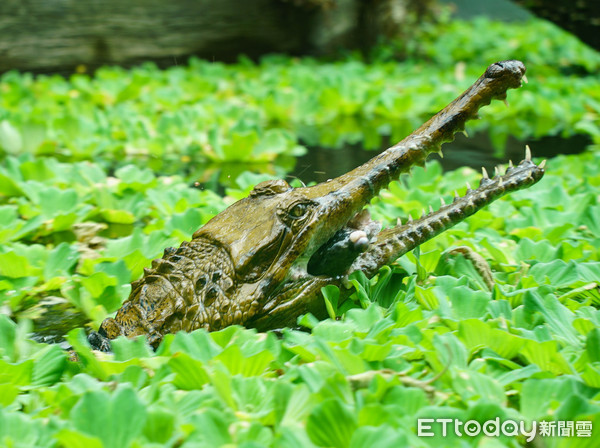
(263,261)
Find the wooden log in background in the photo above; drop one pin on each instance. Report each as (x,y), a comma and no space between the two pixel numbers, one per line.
(60,35)
(50,35)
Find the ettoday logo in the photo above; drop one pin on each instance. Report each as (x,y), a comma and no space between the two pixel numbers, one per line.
(429,427)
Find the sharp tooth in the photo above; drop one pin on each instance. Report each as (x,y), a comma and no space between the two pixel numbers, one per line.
(469,186)
(441,154)
(423,213)
(410,219)
(527,153)
(456,196)
(430,209)
(484,173)
(496,171)
(442,201)
(524,78)
(464,131)
(542,165)
(398,222)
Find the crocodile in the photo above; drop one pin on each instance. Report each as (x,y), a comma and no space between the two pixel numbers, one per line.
(264,260)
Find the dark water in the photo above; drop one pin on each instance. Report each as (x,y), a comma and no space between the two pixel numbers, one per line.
(476,151)
(55,321)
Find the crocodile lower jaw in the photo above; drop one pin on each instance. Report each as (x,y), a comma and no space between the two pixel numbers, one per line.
(355,246)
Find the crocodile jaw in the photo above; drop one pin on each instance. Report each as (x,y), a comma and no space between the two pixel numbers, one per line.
(299,293)
(342,198)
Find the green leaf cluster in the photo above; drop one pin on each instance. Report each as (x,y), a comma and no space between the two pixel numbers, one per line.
(425,338)
(187,118)
(562,97)
(72,233)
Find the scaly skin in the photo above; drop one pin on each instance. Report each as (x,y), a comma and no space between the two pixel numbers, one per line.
(249,265)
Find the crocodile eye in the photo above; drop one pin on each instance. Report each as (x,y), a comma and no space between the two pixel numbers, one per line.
(298,210)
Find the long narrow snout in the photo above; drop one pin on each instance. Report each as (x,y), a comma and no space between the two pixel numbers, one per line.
(341,198)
